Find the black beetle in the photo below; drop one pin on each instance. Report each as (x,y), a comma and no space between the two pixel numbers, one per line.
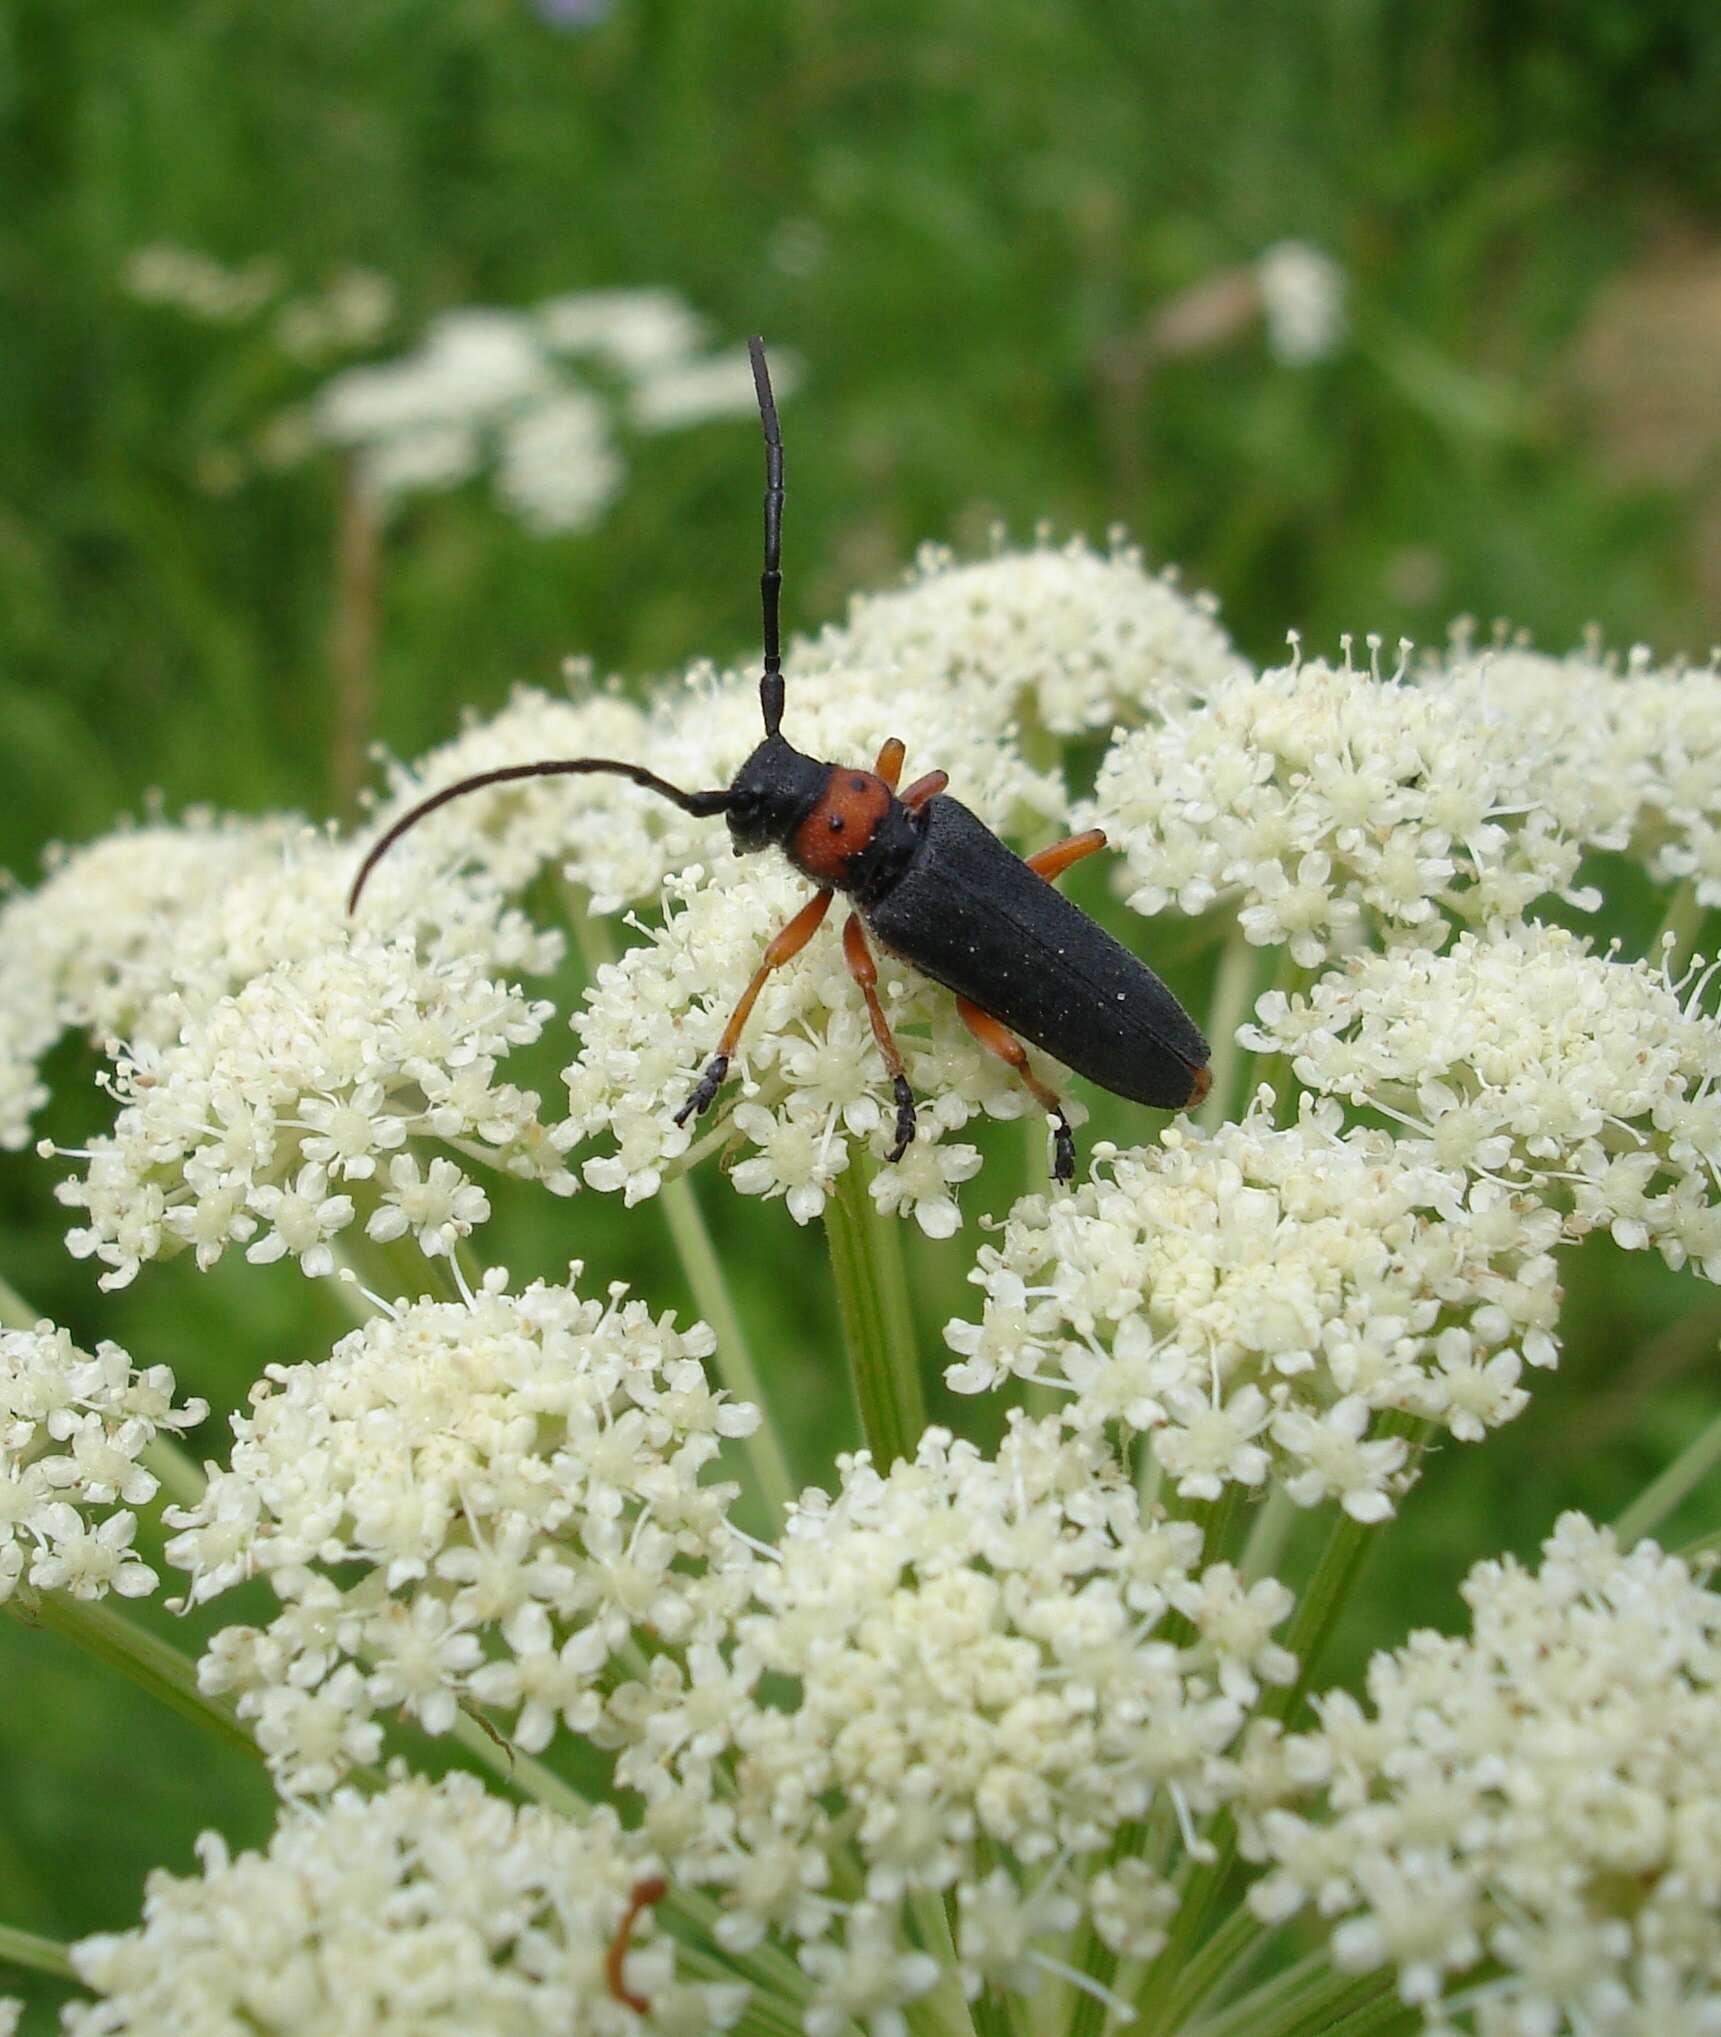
(935,886)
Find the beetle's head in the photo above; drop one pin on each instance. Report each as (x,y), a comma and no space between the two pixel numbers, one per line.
(773,793)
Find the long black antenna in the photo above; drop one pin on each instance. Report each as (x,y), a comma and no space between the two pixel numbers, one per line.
(699,803)
(771,580)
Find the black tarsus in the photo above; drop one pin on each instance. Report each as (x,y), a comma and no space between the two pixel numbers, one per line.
(904,1118)
(771,579)
(705,1095)
(697,803)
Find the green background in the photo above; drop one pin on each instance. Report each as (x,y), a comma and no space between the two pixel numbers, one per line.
(956,213)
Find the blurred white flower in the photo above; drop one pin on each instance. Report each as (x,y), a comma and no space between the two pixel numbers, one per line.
(1590,1082)
(199,286)
(73,1430)
(500,390)
(1255,1300)
(1534,1799)
(433,1909)
(1302,300)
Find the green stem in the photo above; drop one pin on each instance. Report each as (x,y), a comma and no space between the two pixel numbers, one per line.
(734,1360)
(150,1662)
(1232,1002)
(180,1475)
(872,1299)
(524,1774)
(1278,2003)
(1375,2017)
(15,1312)
(1225,1951)
(1318,1610)
(1658,1499)
(1268,1534)
(1683,919)
(36,1955)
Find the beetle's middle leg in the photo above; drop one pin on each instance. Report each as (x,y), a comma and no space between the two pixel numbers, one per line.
(864,970)
(786,944)
(889,768)
(998,1039)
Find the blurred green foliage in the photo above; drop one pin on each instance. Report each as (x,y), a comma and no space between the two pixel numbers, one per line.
(956,212)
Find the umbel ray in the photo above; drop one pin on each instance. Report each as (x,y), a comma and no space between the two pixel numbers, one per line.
(931,883)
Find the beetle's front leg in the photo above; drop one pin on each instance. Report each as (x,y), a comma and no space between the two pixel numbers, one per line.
(785,945)
(998,1039)
(864,970)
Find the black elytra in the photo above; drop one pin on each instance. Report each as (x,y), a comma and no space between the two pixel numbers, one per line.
(932,884)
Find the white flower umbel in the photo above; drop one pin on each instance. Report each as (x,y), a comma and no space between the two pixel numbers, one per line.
(504,1491)
(1333,806)
(1626,759)
(85,949)
(280,1107)
(73,1430)
(986,1687)
(1589,1081)
(1535,1799)
(433,1907)
(1063,636)
(1257,1300)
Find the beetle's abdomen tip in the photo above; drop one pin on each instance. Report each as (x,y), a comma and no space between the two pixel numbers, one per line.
(1200,1082)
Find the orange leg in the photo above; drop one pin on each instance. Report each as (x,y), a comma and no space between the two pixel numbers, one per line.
(924,789)
(998,1039)
(784,946)
(889,765)
(645,1894)
(1051,863)
(864,970)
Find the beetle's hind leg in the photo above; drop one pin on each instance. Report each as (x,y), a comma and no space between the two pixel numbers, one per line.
(864,970)
(1051,863)
(998,1039)
(785,945)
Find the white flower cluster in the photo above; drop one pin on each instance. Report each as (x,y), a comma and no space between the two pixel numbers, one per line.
(1001,1663)
(1256,1300)
(73,1430)
(313,326)
(281,1105)
(1536,1799)
(1065,637)
(1333,805)
(1592,1082)
(98,939)
(433,1907)
(494,388)
(464,1505)
(1627,760)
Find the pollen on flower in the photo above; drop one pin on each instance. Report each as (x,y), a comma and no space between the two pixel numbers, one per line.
(1531,1802)
(1257,1301)
(73,1432)
(1331,805)
(450,1908)
(505,1492)
(1585,1080)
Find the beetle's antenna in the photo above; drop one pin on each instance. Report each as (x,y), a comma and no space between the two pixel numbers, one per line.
(771,580)
(698,803)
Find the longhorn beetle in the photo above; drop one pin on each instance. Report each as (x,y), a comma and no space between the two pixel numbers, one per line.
(933,884)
